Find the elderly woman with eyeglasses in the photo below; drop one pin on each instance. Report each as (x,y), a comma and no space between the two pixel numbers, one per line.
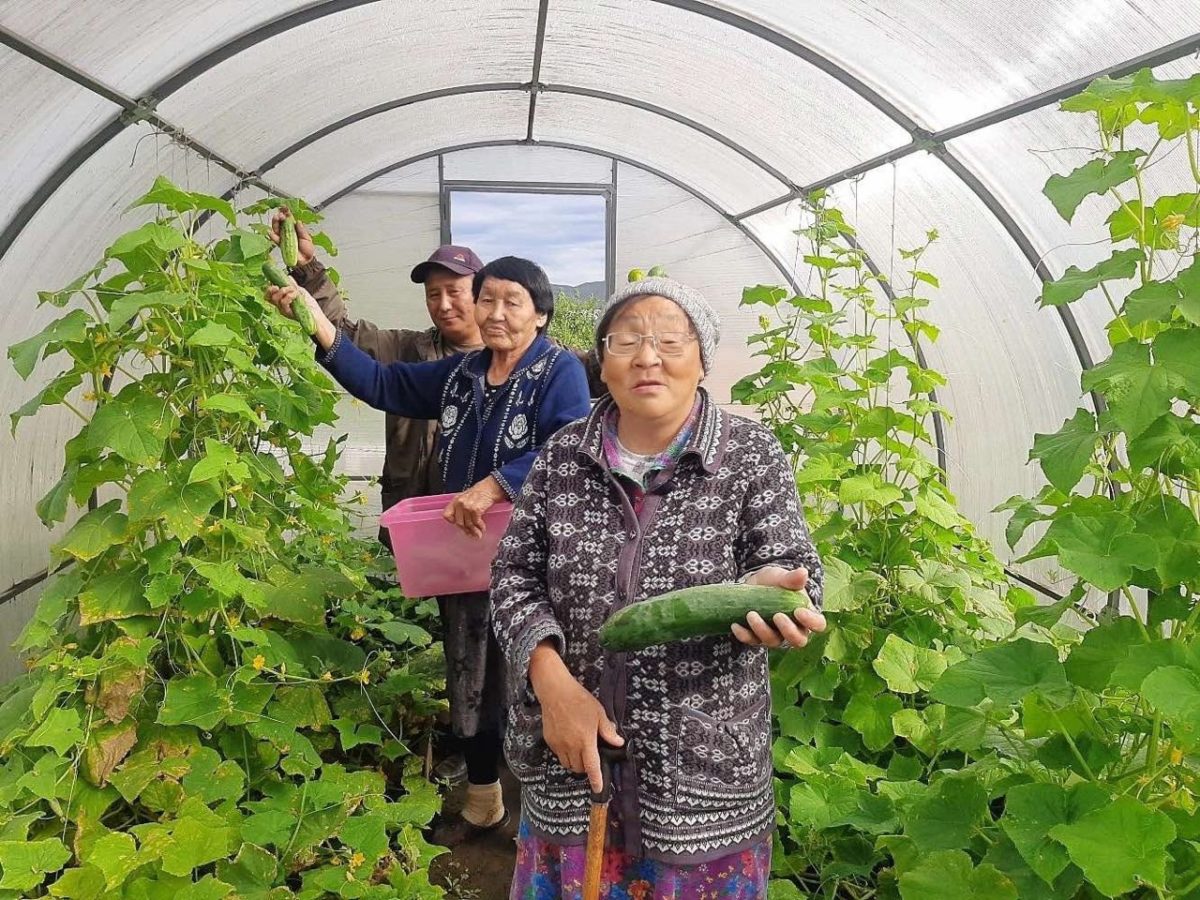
(657,489)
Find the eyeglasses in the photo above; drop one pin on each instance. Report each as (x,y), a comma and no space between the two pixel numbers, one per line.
(666,343)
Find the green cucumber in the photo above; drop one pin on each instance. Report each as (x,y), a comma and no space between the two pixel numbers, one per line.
(300,311)
(702,611)
(304,316)
(289,242)
(274,276)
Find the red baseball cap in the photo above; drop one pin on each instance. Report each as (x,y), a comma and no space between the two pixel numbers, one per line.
(459,260)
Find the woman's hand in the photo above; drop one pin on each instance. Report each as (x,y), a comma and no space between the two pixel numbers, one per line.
(782,630)
(282,299)
(573,721)
(306,250)
(466,509)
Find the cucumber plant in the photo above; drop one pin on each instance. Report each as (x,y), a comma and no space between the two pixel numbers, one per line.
(223,697)
(1029,756)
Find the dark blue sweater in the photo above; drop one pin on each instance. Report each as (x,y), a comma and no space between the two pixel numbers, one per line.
(481,434)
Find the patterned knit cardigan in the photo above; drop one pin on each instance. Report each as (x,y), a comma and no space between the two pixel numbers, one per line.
(695,714)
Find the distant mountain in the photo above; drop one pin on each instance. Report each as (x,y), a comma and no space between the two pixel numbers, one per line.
(594,289)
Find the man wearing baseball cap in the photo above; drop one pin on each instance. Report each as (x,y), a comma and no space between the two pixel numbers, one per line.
(410,463)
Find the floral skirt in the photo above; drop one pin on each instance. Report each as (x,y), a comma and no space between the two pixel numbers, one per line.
(547,871)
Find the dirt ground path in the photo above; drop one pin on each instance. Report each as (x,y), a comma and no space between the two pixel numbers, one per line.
(482,869)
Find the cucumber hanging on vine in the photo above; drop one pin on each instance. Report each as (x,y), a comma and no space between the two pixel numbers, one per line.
(300,310)
(289,242)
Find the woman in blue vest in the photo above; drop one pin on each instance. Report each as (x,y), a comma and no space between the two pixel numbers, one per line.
(496,406)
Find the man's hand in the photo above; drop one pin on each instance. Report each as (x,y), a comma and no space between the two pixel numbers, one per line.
(306,249)
(282,299)
(466,509)
(783,629)
(573,721)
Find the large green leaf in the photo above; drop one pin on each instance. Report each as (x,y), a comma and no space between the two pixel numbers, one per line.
(1065,454)
(218,460)
(71,327)
(133,426)
(166,194)
(1004,674)
(1031,810)
(871,716)
(1189,287)
(27,863)
(60,730)
(921,728)
(949,875)
(1178,353)
(229,403)
(115,855)
(184,507)
(1098,544)
(1171,526)
(906,667)
(1076,282)
(127,305)
(151,241)
(94,533)
(113,596)
(1153,301)
(1120,845)
(52,394)
(299,596)
(53,506)
(946,815)
(824,801)
(198,836)
(1093,660)
(1175,692)
(367,834)
(1170,445)
(212,334)
(869,488)
(1099,176)
(1137,391)
(197,700)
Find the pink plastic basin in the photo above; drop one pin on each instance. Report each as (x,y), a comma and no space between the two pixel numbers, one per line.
(435,558)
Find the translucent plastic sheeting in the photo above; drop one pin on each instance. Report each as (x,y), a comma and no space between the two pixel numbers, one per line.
(262,100)
(327,166)
(704,164)
(65,238)
(777,228)
(659,224)
(527,164)
(948,62)
(380,237)
(131,45)
(1015,158)
(43,117)
(13,616)
(1010,367)
(769,101)
(418,178)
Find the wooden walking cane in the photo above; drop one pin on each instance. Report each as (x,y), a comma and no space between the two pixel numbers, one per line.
(598,823)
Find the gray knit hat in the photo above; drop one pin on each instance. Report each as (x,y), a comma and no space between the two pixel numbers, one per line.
(704,318)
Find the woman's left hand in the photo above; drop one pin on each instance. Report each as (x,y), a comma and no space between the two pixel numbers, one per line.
(466,509)
(783,630)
